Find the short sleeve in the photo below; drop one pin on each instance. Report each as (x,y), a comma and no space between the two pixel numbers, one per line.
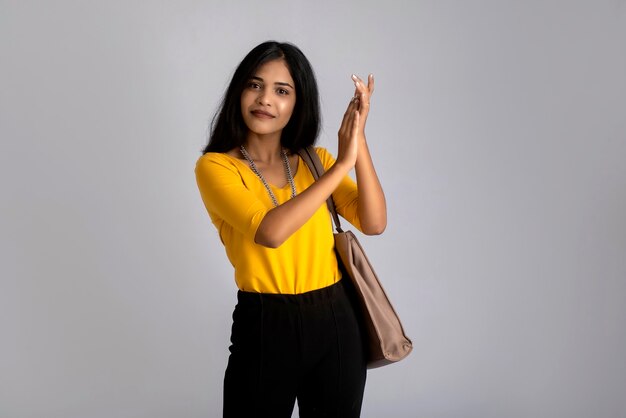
(226,196)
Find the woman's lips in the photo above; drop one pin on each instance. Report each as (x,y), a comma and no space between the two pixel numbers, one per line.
(261,114)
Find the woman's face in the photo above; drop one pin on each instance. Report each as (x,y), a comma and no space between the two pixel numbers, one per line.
(269,98)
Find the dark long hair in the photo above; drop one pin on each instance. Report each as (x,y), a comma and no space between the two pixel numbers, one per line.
(228,129)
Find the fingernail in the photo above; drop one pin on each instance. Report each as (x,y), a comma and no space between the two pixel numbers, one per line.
(353,77)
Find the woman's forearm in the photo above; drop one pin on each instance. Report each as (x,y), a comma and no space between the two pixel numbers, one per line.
(282,221)
(372,208)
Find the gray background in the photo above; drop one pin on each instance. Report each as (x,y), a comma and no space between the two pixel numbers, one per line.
(499,132)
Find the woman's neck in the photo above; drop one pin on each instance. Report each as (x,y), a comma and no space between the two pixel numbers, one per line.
(263,149)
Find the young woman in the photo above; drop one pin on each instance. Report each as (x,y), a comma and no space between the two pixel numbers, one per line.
(296,332)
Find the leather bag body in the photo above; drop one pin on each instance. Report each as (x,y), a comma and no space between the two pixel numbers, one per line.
(385,340)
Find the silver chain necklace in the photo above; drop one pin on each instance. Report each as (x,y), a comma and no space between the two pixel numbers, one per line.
(265,183)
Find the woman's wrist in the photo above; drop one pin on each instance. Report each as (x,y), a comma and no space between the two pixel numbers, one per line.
(341,167)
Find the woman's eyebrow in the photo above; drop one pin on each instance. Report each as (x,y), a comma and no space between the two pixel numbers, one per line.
(278,83)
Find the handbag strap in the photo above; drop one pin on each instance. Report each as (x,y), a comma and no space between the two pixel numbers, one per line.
(312,160)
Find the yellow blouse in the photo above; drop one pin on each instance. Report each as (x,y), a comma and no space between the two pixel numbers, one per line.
(237,201)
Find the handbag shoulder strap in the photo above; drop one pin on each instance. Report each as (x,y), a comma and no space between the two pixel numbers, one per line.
(312,160)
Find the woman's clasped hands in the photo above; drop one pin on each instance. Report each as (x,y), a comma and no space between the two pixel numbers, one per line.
(352,130)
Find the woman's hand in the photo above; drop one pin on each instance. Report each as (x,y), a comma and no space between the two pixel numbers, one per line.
(348,135)
(364,94)
(352,130)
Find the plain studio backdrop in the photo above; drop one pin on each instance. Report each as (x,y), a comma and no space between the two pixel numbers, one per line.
(498,129)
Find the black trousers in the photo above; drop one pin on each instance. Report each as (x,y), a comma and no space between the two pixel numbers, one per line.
(286,347)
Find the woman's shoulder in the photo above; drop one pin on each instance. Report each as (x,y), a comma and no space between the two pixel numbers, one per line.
(217,160)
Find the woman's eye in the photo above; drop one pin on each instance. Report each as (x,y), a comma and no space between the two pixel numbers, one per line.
(283,92)
(254,85)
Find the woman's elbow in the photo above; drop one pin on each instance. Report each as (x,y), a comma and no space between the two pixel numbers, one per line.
(374,229)
(267,240)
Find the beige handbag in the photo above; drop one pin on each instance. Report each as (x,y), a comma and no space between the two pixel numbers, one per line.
(385,339)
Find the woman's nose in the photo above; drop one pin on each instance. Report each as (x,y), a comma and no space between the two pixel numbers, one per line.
(262,97)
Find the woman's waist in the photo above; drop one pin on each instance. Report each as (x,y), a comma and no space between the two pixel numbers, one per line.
(323,295)
(271,282)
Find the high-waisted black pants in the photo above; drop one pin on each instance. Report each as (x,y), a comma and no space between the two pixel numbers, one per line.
(286,347)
